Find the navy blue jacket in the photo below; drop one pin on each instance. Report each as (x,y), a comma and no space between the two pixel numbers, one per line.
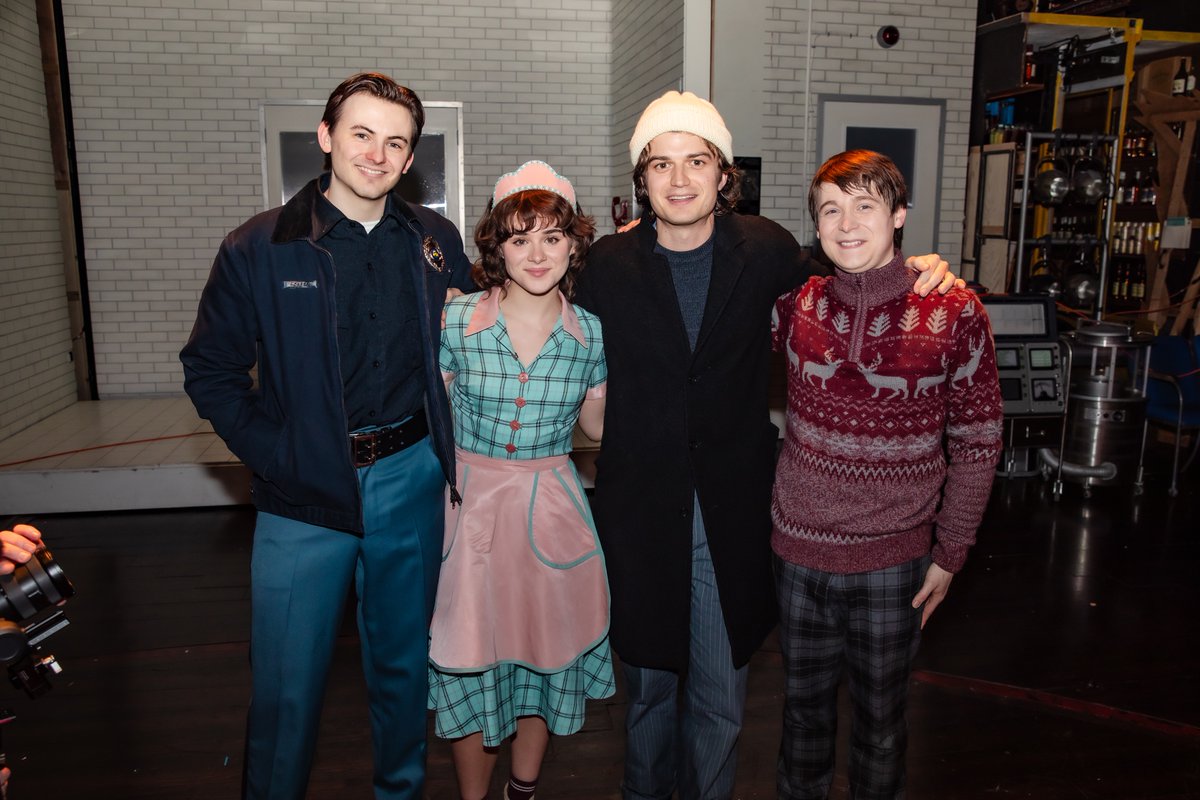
(270,301)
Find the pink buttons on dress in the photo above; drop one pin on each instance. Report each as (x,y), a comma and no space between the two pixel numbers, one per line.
(510,447)
(520,402)
(516,426)
(523,377)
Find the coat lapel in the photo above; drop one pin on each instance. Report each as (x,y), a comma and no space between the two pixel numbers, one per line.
(660,288)
(727,268)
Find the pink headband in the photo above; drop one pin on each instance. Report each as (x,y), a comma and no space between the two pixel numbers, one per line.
(533,176)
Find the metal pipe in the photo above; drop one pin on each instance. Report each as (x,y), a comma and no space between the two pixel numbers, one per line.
(1106,471)
(1110,204)
(1026,185)
(1062,438)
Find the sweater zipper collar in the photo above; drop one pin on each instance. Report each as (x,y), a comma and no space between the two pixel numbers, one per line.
(860,317)
(863,290)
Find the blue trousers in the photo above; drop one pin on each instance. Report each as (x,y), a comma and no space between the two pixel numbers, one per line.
(863,623)
(300,577)
(689,745)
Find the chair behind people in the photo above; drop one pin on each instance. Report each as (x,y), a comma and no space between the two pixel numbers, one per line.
(1173,394)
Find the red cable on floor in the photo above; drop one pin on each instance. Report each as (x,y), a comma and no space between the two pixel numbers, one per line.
(103,446)
(1097,710)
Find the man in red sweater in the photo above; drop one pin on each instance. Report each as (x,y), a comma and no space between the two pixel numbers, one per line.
(870,521)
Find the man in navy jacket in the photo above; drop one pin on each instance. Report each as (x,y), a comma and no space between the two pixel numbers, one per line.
(337,298)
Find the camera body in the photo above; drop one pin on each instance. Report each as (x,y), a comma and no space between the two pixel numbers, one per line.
(29,613)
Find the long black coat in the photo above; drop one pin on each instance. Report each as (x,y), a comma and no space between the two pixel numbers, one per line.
(678,422)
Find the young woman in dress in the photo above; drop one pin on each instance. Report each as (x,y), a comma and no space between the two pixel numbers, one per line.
(519,639)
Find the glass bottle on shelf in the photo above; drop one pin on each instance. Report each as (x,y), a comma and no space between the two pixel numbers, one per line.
(1121,184)
(1190,88)
(1148,192)
(1137,286)
(1179,83)
(1133,187)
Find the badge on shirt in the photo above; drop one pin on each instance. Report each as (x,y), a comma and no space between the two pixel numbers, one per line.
(433,254)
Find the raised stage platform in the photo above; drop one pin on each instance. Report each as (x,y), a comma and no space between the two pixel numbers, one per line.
(110,455)
(119,455)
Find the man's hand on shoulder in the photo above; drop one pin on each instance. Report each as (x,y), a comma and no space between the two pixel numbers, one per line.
(935,274)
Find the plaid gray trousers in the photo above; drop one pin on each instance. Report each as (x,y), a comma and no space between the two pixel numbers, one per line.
(866,623)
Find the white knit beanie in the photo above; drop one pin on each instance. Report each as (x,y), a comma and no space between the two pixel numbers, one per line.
(685,113)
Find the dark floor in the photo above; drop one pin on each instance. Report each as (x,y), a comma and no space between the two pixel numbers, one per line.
(1064,664)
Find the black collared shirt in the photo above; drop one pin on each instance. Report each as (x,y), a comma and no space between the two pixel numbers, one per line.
(377,325)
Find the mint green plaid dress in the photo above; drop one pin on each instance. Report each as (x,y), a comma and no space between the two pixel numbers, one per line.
(508,412)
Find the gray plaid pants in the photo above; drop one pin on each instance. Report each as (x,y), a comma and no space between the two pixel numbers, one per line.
(864,622)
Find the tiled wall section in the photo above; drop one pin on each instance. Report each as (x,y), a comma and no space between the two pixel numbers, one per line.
(932,60)
(36,375)
(647,61)
(166,98)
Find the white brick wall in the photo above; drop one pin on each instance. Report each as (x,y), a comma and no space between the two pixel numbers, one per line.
(647,60)
(36,375)
(166,96)
(933,59)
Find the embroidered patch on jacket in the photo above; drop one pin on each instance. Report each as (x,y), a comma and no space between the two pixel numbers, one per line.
(433,254)
(299,284)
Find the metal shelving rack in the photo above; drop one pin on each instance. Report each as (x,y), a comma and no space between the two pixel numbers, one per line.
(1049,240)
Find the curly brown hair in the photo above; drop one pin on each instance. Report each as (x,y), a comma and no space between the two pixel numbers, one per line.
(524,212)
(727,199)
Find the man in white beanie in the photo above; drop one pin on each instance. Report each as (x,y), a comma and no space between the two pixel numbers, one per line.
(684,477)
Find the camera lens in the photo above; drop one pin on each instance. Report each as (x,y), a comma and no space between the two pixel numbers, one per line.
(33,586)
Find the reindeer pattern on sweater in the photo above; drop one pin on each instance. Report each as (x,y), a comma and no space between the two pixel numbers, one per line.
(893,406)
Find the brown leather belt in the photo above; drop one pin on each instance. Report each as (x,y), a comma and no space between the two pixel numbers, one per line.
(367,448)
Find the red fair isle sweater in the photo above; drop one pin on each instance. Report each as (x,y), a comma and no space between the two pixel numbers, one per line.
(878,378)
